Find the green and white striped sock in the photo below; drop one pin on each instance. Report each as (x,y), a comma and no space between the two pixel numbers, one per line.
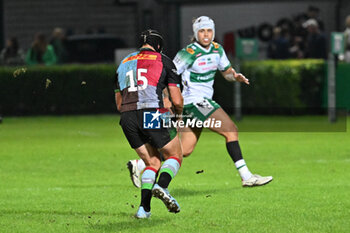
(243,169)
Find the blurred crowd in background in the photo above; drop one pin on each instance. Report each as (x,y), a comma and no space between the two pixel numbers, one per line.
(42,50)
(303,38)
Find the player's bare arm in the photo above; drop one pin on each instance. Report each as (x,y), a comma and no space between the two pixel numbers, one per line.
(118,100)
(177,99)
(166,100)
(231,75)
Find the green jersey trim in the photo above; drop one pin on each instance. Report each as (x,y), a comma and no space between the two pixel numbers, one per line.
(193,51)
(214,48)
(228,66)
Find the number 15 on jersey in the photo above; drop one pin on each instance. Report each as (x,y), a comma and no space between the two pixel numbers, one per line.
(134,81)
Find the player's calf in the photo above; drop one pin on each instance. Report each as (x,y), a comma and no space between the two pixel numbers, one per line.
(147,181)
(160,190)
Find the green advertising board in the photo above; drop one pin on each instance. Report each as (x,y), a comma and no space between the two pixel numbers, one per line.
(337,43)
(247,48)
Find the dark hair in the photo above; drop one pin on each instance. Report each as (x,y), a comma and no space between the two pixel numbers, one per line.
(39,47)
(13,49)
(153,38)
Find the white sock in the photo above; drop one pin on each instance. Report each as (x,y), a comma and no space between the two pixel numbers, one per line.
(243,169)
(140,165)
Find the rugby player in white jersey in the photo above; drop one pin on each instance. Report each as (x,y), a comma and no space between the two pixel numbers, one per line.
(198,63)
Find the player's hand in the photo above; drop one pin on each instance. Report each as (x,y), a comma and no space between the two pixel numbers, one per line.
(241,78)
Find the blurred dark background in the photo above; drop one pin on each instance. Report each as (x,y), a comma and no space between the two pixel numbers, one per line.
(45,46)
(124,19)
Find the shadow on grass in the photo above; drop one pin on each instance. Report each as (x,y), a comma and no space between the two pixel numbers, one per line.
(63,213)
(177,192)
(80,186)
(133,224)
(191,192)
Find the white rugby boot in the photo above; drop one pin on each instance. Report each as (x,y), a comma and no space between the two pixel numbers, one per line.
(135,173)
(256,180)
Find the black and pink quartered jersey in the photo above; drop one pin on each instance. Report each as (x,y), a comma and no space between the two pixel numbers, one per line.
(141,78)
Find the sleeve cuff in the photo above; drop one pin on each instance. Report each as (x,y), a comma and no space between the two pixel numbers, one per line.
(116,90)
(174,85)
(226,68)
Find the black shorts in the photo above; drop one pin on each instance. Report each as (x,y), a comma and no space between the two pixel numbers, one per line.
(137,133)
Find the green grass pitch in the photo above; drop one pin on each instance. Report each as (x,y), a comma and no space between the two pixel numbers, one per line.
(68,174)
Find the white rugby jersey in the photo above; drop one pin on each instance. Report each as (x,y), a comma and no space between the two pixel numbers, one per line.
(198,67)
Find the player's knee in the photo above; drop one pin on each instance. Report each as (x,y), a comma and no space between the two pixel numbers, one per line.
(187,152)
(230,135)
(175,152)
(233,128)
(235,134)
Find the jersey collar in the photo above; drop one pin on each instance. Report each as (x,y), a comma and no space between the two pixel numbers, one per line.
(147,49)
(205,50)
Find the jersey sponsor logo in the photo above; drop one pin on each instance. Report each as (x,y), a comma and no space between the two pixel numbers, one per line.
(177,60)
(202,78)
(209,60)
(190,50)
(202,63)
(216,45)
(209,68)
(141,57)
